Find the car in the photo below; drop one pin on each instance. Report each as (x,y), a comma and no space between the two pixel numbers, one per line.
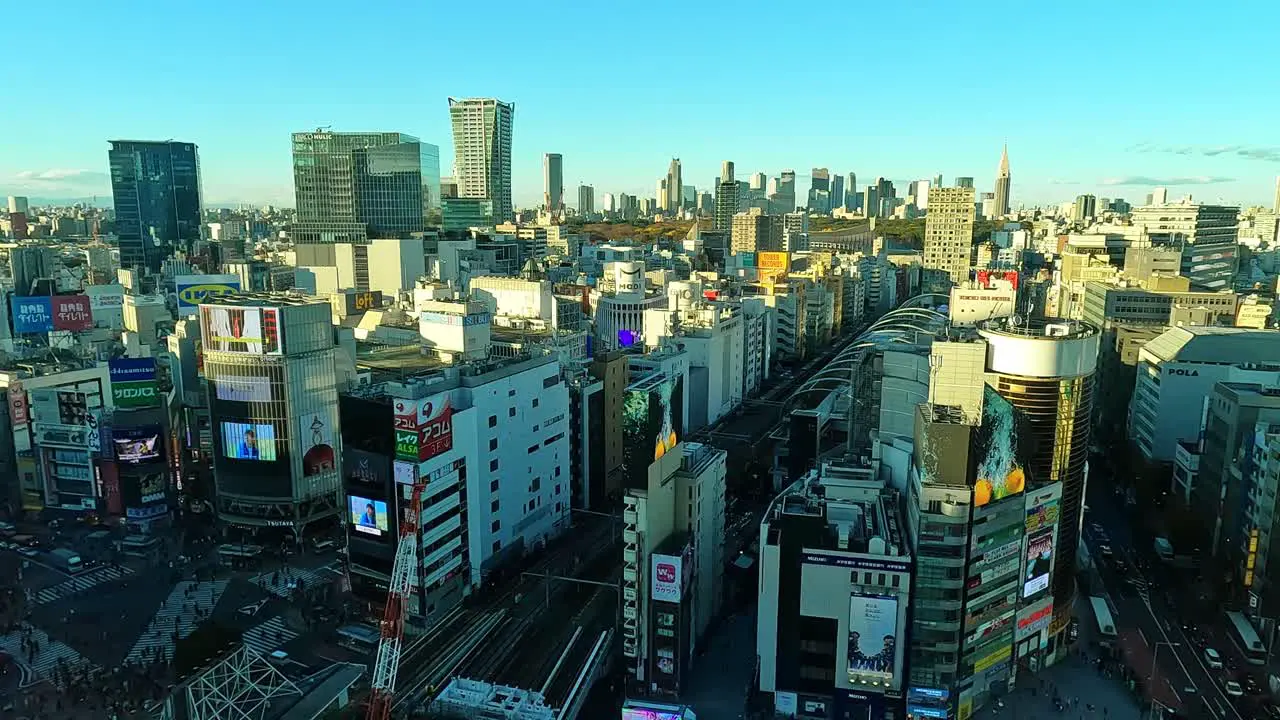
(1233,688)
(28,552)
(1106,551)
(1212,659)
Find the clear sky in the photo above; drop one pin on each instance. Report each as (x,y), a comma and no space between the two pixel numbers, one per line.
(1103,97)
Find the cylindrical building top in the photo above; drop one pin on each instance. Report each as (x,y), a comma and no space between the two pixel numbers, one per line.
(1042,348)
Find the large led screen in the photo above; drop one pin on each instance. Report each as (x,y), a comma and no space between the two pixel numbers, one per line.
(368,516)
(134,446)
(1039,562)
(243,389)
(652,426)
(249,441)
(241,329)
(1000,473)
(873,636)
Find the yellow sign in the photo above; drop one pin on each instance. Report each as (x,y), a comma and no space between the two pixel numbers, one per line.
(966,708)
(1002,654)
(774,261)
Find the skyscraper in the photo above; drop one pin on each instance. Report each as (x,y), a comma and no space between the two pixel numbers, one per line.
(353,186)
(820,191)
(964,182)
(851,193)
(553,183)
(726,197)
(948,232)
(837,191)
(1276,208)
(586,199)
(674,189)
(754,231)
(156,189)
(482,151)
(1002,184)
(937,180)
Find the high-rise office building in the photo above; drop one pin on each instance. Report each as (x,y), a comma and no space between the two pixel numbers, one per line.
(820,191)
(482,150)
(870,201)
(1206,235)
(157,196)
(758,181)
(754,231)
(886,197)
(1085,208)
(353,186)
(948,232)
(1276,207)
(837,191)
(675,190)
(851,197)
(962,181)
(1002,184)
(782,199)
(937,180)
(19,204)
(553,183)
(726,197)
(586,199)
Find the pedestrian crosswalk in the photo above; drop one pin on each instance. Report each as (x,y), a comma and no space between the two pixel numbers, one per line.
(80,583)
(282,582)
(267,637)
(45,659)
(180,613)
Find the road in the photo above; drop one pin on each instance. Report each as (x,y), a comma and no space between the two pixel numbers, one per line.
(1150,600)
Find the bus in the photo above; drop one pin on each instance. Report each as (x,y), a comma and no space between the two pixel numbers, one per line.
(361,638)
(143,546)
(1246,639)
(1106,623)
(240,556)
(67,560)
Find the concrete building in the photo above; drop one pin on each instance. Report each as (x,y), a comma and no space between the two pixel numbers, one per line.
(835,588)
(675,189)
(948,233)
(1206,235)
(753,231)
(553,184)
(620,303)
(586,200)
(1177,371)
(971,303)
(712,334)
(482,129)
(1258,543)
(463,214)
(270,363)
(1001,206)
(1224,495)
(1085,209)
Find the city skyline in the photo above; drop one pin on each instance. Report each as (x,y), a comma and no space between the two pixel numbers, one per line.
(1085,146)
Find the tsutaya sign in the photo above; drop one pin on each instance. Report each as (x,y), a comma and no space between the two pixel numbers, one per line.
(1185,372)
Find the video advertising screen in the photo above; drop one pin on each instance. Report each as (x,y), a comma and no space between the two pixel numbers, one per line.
(1039,562)
(249,441)
(873,635)
(137,445)
(243,389)
(241,329)
(368,516)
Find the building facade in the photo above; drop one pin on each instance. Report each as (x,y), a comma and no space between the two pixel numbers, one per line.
(482,129)
(155,187)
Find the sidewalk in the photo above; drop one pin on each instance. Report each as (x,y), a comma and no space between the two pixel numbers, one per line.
(1073,680)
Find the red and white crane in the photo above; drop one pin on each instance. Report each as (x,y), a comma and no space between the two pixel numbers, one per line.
(404,576)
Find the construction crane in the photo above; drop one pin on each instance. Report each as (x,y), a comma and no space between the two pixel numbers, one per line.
(404,576)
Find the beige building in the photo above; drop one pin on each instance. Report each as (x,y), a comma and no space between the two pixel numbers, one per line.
(948,232)
(754,231)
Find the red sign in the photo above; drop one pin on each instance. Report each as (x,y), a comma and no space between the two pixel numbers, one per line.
(19,412)
(72,312)
(406,415)
(1040,614)
(666,572)
(110,476)
(436,436)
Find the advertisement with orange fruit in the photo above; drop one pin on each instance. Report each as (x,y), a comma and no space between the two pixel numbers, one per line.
(1000,473)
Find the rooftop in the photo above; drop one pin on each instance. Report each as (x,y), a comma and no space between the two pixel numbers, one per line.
(1217,345)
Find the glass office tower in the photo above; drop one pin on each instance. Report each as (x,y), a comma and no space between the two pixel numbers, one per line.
(156,187)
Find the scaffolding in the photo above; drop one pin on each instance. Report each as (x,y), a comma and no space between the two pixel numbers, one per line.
(241,686)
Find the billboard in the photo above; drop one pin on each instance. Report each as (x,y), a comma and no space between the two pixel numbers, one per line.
(667,577)
(194,290)
(19,412)
(873,636)
(358,302)
(249,441)
(252,330)
(72,312)
(652,426)
(315,432)
(1043,508)
(424,428)
(31,314)
(368,516)
(134,446)
(253,388)
(133,382)
(1000,473)
(1039,562)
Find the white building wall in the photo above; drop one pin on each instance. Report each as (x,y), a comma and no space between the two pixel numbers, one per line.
(396,264)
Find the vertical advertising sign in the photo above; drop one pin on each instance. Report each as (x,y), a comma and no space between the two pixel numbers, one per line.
(668,575)
(435,427)
(873,636)
(315,436)
(19,411)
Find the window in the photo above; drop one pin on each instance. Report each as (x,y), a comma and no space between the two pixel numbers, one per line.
(493,486)
(511,393)
(493,421)
(557,471)
(495,526)
(493,465)
(511,412)
(497,545)
(533,449)
(535,402)
(550,381)
(493,444)
(557,487)
(536,485)
(493,506)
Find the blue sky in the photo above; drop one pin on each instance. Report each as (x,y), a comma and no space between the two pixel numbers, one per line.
(1103,97)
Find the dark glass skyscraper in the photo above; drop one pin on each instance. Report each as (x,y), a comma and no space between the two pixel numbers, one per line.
(156,188)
